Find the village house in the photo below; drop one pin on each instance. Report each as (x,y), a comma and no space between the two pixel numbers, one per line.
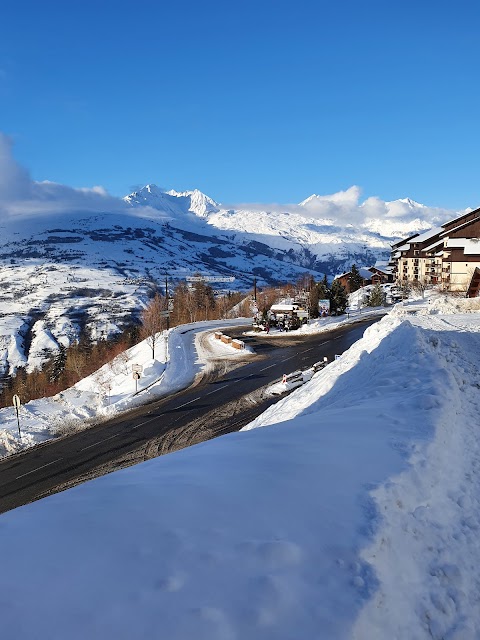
(344,278)
(378,274)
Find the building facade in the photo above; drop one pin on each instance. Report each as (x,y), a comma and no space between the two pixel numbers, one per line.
(447,256)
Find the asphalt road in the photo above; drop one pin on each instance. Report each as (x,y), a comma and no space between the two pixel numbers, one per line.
(219,404)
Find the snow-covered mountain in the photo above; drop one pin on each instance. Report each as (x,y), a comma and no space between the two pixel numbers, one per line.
(322,233)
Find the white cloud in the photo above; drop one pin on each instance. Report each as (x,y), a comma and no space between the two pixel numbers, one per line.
(346,208)
(22,196)
(15,182)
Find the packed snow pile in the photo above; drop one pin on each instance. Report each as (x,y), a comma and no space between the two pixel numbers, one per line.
(354,515)
(444,304)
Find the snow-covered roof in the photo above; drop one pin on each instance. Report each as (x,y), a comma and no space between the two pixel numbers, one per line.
(470,246)
(423,237)
(432,246)
(382,267)
(459,217)
(365,273)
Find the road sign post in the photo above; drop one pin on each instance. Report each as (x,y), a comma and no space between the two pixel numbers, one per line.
(16,404)
(136,377)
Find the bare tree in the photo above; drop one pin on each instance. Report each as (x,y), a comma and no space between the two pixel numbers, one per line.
(152,322)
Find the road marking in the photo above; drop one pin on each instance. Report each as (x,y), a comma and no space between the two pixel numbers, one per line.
(215,390)
(338,337)
(269,367)
(307,350)
(99,442)
(326,341)
(185,403)
(38,468)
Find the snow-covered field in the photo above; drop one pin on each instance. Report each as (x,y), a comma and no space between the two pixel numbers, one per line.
(352,513)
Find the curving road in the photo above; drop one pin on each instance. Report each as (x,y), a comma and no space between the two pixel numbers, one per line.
(220,403)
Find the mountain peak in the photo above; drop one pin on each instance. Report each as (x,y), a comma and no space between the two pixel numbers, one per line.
(199,203)
(307,201)
(411,203)
(179,202)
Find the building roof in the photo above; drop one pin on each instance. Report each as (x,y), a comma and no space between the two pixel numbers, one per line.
(363,271)
(423,237)
(395,244)
(375,270)
(460,226)
(464,215)
(470,246)
(432,246)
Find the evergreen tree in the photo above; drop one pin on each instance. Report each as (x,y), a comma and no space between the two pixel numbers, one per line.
(355,280)
(57,364)
(338,298)
(323,290)
(377,296)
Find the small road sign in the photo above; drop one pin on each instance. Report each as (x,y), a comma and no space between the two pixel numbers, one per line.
(137,368)
(136,376)
(164,314)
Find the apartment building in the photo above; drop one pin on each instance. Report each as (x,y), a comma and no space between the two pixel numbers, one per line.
(448,256)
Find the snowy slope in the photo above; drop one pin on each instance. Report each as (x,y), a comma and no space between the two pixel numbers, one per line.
(59,274)
(333,230)
(355,518)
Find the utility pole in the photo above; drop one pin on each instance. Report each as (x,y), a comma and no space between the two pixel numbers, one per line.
(166,300)
(255,288)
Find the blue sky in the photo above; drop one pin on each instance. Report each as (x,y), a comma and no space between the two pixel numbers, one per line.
(249,101)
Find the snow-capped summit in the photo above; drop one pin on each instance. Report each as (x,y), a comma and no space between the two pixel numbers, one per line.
(173,202)
(152,196)
(200,203)
(308,200)
(411,203)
